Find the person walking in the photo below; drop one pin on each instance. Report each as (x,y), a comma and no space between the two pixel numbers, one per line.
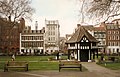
(13,57)
(57,55)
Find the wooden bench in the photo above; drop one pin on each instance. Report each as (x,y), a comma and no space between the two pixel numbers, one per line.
(15,64)
(70,64)
(113,59)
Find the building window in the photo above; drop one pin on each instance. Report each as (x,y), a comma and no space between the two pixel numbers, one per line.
(114,32)
(32,31)
(24,31)
(53,33)
(49,38)
(48,33)
(40,31)
(117,37)
(53,28)
(51,51)
(36,31)
(113,43)
(117,32)
(113,50)
(53,22)
(103,42)
(99,35)
(103,35)
(53,38)
(95,35)
(113,37)
(30,37)
(109,32)
(117,43)
(109,43)
(109,37)
(72,45)
(117,50)
(109,51)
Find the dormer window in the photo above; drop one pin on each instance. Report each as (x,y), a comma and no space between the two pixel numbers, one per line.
(84,39)
(72,45)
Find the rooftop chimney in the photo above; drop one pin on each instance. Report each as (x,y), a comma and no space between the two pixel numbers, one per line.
(36,25)
(78,25)
(9,18)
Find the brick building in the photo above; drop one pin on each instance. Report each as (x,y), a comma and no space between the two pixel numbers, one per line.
(9,35)
(112,37)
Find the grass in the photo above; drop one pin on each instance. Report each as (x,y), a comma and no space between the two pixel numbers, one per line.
(29,58)
(36,62)
(2,65)
(112,66)
(25,58)
(43,65)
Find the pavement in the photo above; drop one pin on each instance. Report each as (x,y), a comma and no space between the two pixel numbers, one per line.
(101,71)
(94,70)
(47,74)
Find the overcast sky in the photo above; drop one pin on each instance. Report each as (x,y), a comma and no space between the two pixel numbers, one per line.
(66,11)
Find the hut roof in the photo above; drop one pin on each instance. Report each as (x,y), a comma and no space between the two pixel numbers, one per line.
(77,36)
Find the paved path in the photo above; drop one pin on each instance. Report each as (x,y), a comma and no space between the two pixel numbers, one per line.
(49,73)
(101,71)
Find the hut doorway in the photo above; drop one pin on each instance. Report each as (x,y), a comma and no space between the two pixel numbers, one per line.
(84,55)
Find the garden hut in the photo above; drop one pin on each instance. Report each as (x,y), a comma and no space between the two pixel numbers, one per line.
(82,45)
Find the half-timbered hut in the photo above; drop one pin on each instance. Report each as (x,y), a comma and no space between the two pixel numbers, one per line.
(82,45)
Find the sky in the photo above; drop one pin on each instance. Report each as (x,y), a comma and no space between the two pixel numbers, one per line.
(65,11)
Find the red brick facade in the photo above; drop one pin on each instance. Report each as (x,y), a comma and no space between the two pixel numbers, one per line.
(9,35)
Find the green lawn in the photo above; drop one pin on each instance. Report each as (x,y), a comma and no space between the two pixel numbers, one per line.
(26,58)
(113,66)
(35,62)
(29,58)
(110,65)
(43,65)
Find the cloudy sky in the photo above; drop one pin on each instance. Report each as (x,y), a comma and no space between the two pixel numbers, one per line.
(66,11)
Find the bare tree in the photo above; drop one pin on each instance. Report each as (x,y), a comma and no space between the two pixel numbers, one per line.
(83,11)
(104,9)
(16,9)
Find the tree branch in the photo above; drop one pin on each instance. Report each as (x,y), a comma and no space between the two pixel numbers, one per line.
(111,16)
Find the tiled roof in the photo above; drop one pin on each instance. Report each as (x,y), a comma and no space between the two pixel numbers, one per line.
(88,27)
(99,28)
(77,36)
(112,26)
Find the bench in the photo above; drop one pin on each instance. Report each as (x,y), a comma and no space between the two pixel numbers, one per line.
(70,64)
(15,64)
(113,59)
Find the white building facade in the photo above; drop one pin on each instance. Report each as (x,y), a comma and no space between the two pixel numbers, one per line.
(32,41)
(52,35)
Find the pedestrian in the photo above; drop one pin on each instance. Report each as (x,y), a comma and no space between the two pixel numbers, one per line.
(13,57)
(72,55)
(102,57)
(57,55)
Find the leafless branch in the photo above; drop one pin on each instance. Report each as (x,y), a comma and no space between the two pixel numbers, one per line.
(16,8)
(103,9)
